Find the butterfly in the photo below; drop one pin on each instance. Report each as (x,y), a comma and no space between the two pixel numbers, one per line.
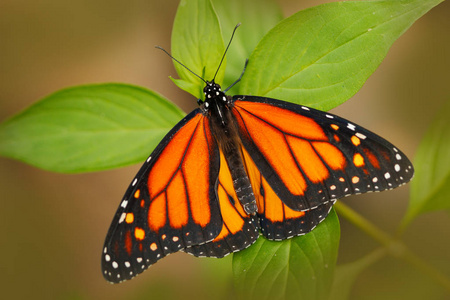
(237,166)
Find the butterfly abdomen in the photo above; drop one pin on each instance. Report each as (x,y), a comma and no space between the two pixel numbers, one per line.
(241,182)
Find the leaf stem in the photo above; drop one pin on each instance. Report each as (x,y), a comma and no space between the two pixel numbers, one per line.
(394,247)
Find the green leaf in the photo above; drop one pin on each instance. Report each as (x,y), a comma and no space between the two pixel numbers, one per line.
(321,56)
(89,128)
(257,17)
(297,268)
(197,43)
(430,189)
(346,275)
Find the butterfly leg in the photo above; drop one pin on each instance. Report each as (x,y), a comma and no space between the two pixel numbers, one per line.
(239,79)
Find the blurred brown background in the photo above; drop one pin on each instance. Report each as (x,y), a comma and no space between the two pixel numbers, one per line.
(52,226)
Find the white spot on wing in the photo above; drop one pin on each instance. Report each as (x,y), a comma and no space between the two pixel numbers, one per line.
(360,135)
(134,182)
(122,217)
(351,126)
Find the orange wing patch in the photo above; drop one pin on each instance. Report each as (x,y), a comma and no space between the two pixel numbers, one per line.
(286,121)
(128,242)
(372,158)
(177,206)
(232,212)
(157,213)
(332,156)
(239,230)
(308,159)
(274,209)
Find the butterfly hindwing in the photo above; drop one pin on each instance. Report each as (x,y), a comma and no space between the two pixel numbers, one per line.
(310,157)
(170,205)
(277,220)
(239,230)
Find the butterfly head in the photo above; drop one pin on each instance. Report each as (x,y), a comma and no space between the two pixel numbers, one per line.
(213,93)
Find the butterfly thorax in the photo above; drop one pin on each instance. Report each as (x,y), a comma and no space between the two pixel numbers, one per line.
(217,107)
(216,102)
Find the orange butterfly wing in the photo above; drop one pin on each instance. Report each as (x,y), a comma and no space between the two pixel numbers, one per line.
(301,160)
(170,205)
(309,157)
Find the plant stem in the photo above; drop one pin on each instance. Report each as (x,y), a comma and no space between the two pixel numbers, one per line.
(395,247)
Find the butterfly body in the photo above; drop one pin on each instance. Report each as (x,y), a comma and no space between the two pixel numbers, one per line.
(217,107)
(238,166)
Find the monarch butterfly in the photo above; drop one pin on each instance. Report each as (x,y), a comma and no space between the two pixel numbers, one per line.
(239,165)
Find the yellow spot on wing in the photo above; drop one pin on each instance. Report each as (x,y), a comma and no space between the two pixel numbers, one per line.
(139,233)
(355,140)
(358,160)
(129,218)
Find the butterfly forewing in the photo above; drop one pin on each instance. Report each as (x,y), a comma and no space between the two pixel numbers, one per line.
(310,157)
(170,205)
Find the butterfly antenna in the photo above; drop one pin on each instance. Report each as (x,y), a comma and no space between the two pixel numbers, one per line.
(221,61)
(161,48)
